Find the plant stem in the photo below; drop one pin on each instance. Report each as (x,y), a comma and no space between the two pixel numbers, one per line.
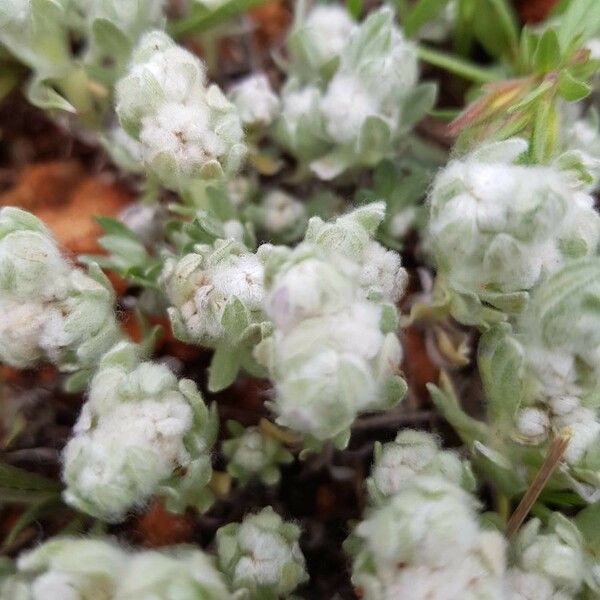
(456,65)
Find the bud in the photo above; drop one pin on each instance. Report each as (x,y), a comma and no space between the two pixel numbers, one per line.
(252,453)
(281,216)
(255,100)
(140,433)
(261,555)
(413,453)
(208,286)
(533,424)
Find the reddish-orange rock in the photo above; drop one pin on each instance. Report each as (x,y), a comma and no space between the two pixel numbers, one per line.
(73,223)
(44,185)
(533,11)
(67,200)
(158,527)
(272,21)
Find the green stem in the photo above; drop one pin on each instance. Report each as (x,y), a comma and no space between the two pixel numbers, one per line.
(199,21)
(456,65)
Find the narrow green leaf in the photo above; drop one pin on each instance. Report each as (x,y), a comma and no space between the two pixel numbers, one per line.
(456,65)
(27,517)
(201,20)
(495,26)
(19,479)
(421,13)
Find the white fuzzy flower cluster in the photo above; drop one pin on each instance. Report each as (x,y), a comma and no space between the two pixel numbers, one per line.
(141,432)
(261,556)
(549,564)
(411,454)
(560,372)
(426,542)
(334,289)
(216,292)
(352,111)
(281,216)
(252,453)
(499,228)
(257,104)
(317,39)
(186,129)
(74,569)
(49,309)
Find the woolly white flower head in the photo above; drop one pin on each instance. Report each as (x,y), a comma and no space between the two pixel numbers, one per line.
(255,100)
(299,127)
(186,130)
(181,572)
(317,39)
(309,285)
(31,264)
(500,228)
(282,216)
(413,453)
(426,542)
(70,569)
(362,105)
(65,568)
(351,235)
(50,310)
(553,560)
(346,105)
(138,426)
(261,555)
(202,286)
(323,379)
